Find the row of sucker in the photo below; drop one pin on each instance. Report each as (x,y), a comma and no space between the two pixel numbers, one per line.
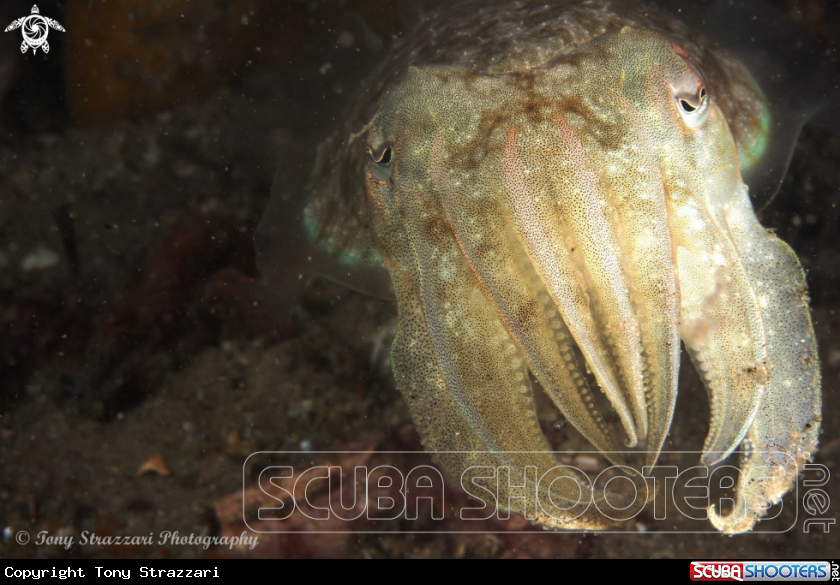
(492,251)
(786,429)
(720,320)
(538,223)
(496,397)
(532,215)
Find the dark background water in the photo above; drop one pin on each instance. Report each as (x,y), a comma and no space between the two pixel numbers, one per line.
(139,366)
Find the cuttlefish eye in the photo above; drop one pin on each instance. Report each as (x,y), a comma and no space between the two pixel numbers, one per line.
(691,96)
(381,162)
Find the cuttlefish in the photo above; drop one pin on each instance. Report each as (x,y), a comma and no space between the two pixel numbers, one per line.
(555,191)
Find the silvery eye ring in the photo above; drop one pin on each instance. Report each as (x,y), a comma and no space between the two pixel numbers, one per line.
(691,97)
(382,162)
(694,109)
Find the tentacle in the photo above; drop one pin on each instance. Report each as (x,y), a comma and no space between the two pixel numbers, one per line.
(486,240)
(745,319)
(639,200)
(561,217)
(466,381)
(624,214)
(785,431)
(721,328)
(721,324)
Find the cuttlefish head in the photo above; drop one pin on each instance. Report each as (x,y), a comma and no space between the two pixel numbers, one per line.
(583,216)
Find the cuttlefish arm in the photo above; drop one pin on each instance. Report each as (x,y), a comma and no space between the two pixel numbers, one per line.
(466,379)
(746,321)
(785,430)
(590,210)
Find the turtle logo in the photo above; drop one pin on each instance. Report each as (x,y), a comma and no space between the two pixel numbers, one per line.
(35,28)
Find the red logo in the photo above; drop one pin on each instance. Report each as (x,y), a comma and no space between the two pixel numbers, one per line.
(716,571)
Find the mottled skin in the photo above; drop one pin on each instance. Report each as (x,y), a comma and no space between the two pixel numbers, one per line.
(571,192)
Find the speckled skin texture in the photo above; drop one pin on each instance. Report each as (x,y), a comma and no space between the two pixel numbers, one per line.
(499,37)
(555,189)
